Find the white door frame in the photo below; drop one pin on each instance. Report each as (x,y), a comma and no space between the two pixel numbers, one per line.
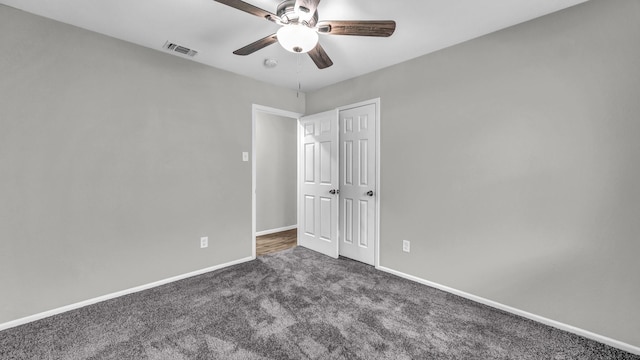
(376,237)
(269,110)
(255,110)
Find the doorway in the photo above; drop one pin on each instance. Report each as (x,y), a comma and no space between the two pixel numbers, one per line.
(274,168)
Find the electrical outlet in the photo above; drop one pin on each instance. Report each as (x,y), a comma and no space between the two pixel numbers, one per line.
(245,156)
(204,242)
(406,245)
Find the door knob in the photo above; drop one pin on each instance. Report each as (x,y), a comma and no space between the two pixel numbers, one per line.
(370,193)
(334,191)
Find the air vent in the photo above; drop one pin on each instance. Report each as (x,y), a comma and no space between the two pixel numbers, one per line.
(173,47)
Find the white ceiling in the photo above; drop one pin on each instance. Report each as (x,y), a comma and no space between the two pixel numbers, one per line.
(216,30)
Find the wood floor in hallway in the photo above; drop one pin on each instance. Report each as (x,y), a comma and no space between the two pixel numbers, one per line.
(267,244)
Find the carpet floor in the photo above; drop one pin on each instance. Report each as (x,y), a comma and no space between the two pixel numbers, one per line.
(295,304)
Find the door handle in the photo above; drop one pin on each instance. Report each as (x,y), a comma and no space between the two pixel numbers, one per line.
(370,193)
(334,191)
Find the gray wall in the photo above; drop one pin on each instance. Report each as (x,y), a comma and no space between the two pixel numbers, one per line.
(518,181)
(519,178)
(276,171)
(114,160)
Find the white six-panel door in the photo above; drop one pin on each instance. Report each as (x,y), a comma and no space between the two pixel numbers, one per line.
(357,219)
(318,177)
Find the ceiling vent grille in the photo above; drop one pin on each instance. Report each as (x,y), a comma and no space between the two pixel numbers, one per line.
(173,47)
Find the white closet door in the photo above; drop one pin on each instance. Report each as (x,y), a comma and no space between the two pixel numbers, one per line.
(357,224)
(318,176)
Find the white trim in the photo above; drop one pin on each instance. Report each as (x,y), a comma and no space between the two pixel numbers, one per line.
(378,172)
(298,180)
(102,298)
(255,109)
(376,237)
(553,323)
(359,104)
(273,231)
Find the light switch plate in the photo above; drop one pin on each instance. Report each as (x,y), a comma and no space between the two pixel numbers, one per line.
(245,156)
(406,245)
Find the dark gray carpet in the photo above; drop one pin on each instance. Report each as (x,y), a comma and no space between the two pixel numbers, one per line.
(294,305)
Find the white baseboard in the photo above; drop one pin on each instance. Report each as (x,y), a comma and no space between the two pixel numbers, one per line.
(556,324)
(273,231)
(98,299)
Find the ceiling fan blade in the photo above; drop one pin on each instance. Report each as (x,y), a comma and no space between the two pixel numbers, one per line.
(257,45)
(248,8)
(320,57)
(382,28)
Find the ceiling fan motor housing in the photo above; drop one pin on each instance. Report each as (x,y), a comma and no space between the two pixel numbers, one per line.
(287,13)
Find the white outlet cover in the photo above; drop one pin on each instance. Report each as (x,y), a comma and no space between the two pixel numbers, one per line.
(204,242)
(245,156)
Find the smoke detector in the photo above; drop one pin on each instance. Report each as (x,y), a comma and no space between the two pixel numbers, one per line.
(270,63)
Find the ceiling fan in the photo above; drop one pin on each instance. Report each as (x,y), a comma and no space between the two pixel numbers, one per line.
(300,28)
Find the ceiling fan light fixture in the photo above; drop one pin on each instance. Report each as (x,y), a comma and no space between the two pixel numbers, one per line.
(297,38)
